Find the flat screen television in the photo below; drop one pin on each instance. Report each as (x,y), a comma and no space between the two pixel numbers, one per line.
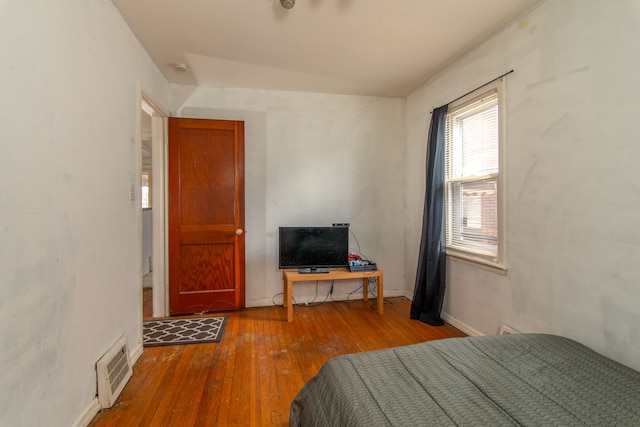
(313,249)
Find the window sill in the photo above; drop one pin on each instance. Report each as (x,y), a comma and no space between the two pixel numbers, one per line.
(484,264)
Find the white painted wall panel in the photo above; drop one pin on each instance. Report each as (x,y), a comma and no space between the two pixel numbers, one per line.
(572,194)
(313,159)
(147,241)
(69,236)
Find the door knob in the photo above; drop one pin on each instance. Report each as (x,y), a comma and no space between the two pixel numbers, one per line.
(239,231)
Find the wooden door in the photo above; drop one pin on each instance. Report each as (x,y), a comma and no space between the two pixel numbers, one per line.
(206,215)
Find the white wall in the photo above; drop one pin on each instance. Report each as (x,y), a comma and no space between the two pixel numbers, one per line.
(147,240)
(69,236)
(313,159)
(573,198)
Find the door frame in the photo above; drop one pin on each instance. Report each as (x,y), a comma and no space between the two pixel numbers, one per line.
(159,232)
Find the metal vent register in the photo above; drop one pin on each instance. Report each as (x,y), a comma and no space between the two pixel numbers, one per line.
(114,370)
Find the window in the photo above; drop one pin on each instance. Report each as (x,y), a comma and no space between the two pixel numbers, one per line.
(145,184)
(473,177)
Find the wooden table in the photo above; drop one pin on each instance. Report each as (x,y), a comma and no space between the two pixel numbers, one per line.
(291,276)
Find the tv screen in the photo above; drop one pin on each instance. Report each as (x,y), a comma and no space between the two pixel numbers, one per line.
(313,249)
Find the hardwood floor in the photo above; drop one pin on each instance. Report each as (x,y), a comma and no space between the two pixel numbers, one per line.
(262,361)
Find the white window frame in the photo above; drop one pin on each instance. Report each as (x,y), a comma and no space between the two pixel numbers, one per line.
(497,261)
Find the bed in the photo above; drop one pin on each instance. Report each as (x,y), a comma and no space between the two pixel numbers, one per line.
(505,380)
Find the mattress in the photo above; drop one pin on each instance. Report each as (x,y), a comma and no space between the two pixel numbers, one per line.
(507,380)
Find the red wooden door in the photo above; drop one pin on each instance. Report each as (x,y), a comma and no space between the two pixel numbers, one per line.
(206,215)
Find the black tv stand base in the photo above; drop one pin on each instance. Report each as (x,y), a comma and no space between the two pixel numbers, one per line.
(313,270)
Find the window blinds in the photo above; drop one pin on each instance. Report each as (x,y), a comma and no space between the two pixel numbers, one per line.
(471,177)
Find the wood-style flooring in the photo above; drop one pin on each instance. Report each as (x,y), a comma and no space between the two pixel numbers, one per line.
(262,361)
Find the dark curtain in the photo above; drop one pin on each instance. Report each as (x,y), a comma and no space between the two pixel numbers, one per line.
(429,289)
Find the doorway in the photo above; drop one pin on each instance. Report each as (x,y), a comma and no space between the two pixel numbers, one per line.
(228,288)
(152,207)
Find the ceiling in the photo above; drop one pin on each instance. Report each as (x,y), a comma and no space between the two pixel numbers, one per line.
(358,47)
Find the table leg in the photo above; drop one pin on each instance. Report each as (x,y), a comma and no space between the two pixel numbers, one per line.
(289,302)
(365,289)
(380,294)
(284,292)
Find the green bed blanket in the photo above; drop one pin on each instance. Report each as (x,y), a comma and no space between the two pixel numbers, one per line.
(507,380)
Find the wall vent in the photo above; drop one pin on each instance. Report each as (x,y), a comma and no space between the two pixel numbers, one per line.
(114,370)
(507,330)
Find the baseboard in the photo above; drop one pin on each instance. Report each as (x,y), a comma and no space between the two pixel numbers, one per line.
(461,325)
(456,323)
(88,415)
(135,354)
(337,297)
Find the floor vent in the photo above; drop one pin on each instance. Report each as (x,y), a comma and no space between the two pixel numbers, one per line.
(507,330)
(114,370)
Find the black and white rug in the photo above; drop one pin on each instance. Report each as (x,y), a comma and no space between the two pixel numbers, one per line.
(183,331)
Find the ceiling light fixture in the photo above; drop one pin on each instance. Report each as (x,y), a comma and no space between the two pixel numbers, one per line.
(180,67)
(287,4)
